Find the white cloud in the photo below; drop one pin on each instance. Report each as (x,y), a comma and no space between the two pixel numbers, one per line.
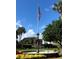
(18,23)
(29,33)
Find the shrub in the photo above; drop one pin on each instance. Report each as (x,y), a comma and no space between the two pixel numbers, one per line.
(27,46)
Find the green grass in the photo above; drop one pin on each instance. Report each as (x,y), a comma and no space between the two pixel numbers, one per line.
(55,58)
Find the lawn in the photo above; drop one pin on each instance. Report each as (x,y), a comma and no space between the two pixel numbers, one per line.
(55,58)
(41,49)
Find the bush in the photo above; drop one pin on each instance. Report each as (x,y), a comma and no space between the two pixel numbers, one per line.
(19,45)
(27,46)
(49,46)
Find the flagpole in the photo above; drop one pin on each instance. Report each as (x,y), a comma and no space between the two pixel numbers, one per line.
(37,36)
(38,18)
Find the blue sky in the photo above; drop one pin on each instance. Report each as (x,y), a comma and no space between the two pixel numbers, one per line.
(26,14)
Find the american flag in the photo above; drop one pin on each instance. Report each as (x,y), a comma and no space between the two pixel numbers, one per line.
(38,13)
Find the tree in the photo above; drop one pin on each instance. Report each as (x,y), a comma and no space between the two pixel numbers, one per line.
(57,30)
(16,34)
(53,32)
(48,34)
(19,32)
(58,6)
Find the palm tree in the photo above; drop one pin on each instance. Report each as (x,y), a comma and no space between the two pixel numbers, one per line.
(58,7)
(19,32)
